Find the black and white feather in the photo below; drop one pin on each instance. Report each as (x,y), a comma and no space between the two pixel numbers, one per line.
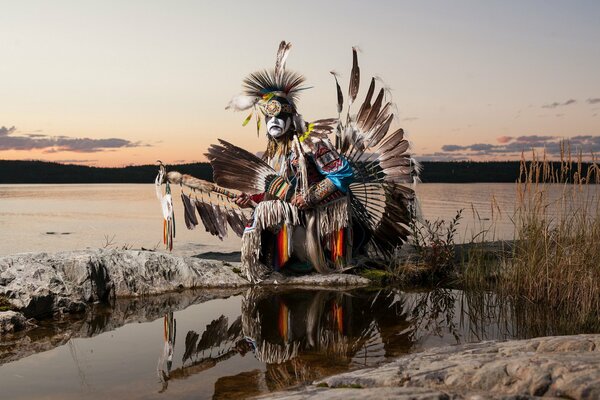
(236,168)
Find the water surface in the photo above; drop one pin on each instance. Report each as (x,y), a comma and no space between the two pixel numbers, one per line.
(78,216)
(236,344)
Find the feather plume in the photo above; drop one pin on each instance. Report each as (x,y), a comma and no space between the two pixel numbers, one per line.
(373,112)
(363,112)
(340,96)
(348,137)
(392,141)
(379,131)
(287,85)
(354,78)
(237,221)
(398,150)
(221,220)
(282,54)
(242,102)
(189,213)
(247,119)
(204,217)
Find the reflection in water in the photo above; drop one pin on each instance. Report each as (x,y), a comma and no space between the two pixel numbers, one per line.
(300,336)
(170,334)
(232,344)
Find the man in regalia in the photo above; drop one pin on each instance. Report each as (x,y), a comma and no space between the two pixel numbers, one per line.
(314,203)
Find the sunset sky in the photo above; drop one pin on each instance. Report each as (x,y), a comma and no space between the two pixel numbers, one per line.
(114,83)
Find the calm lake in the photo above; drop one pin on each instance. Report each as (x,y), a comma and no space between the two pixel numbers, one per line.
(237,344)
(68,217)
(229,344)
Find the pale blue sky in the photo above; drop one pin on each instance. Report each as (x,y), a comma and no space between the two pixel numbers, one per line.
(158,74)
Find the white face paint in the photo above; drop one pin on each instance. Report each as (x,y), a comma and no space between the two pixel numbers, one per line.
(276,127)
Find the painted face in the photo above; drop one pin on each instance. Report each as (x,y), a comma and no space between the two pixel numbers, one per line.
(279,125)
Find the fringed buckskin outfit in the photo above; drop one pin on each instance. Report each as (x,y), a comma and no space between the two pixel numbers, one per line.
(319,237)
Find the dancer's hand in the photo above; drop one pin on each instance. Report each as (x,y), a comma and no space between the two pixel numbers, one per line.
(243,201)
(299,201)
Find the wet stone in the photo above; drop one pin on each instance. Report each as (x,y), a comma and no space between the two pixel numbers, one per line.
(11,321)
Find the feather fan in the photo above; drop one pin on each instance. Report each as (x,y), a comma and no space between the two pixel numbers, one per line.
(236,168)
(382,166)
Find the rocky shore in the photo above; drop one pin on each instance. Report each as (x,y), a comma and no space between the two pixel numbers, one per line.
(37,285)
(117,287)
(554,367)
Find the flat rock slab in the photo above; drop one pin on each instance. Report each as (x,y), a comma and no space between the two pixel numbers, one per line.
(316,280)
(38,284)
(559,367)
(377,393)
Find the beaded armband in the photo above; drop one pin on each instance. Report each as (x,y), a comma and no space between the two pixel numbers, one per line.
(278,188)
(319,191)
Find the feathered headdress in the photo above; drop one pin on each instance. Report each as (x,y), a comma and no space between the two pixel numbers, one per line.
(271,91)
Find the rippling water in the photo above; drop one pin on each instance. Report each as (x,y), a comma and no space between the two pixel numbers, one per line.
(69,217)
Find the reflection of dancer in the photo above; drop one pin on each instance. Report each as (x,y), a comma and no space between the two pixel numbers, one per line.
(169,330)
(298,335)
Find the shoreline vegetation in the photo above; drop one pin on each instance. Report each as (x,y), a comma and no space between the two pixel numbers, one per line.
(553,260)
(34,172)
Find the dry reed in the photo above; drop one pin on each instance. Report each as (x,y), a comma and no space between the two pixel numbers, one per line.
(556,256)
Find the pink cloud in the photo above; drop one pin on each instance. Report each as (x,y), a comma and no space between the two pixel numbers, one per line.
(504,139)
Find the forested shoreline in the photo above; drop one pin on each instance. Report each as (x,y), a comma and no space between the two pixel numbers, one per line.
(432,172)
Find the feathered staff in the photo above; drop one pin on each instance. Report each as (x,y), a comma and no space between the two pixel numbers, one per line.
(166,202)
(214,217)
(177,178)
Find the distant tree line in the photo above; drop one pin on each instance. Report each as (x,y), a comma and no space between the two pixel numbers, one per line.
(48,172)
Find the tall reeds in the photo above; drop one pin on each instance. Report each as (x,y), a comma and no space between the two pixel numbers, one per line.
(556,256)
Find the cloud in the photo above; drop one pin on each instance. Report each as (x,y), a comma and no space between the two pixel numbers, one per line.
(534,139)
(557,104)
(453,147)
(56,144)
(72,161)
(4,131)
(513,146)
(441,156)
(593,100)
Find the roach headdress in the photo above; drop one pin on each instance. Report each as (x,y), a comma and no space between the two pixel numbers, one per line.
(271,91)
